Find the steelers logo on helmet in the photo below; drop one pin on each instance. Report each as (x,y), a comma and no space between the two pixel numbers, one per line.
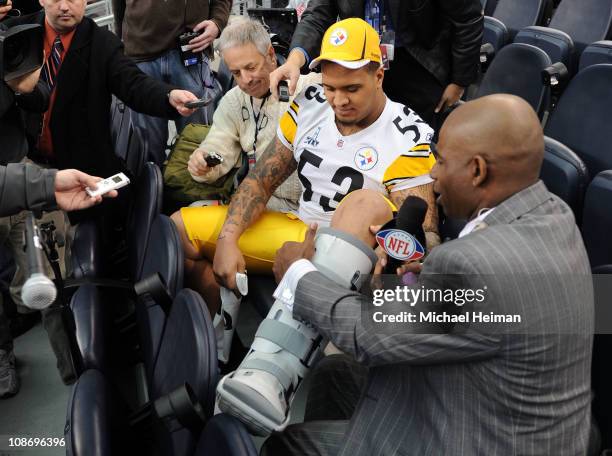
(366,158)
(338,37)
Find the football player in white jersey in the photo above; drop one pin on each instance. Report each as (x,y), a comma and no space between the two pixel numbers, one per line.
(358,156)
(343,137)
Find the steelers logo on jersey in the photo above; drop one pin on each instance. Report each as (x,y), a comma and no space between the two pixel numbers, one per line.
(338,37)
(366,158)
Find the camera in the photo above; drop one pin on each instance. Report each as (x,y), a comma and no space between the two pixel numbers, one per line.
(21,50)
(188,57)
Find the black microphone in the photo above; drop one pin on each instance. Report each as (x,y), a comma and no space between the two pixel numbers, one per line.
(403,237)
(38,291)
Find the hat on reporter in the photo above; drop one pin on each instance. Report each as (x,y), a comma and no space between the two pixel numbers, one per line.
(352,43)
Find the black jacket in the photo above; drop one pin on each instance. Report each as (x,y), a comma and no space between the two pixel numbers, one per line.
(26,186)
(443,35)
(14,145)
(12,120)
(94,68)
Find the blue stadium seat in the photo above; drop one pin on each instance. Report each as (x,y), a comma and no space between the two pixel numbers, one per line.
(596,53)
(137,151)
(586,21)
(86,256)
(502,77)
(518,14)
(581,119)
(90,420)
(565,175)
(557,44)
(495,33)
(92,327)
(146,206)
(188,354)
(597,219)
(224,435)
(163,255)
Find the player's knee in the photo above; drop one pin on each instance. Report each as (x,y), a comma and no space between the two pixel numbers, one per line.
(359,210)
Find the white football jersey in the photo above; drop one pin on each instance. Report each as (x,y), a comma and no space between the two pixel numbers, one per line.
(390,155)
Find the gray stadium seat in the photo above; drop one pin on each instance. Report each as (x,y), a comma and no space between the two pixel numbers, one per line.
(188,354)
(502,77)
(224,435)
(518,14)
(581,119)
(565,175)
(597,219)
(595,53)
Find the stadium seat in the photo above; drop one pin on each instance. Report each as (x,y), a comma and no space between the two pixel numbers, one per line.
(502,77)
(224,435)
(595,53)
(86,256)
(565,175)
(495,33)
(581,119)
(146,206)
(90,420)
(136,152)
(91,327)
(163,255)
(517,14)
(489,7)
(597,219)
(586,21)
(557,44)
(188,354)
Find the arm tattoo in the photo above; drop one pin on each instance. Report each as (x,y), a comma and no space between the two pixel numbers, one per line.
(425,192)
(249,201)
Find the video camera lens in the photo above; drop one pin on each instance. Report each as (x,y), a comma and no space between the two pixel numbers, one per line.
(21,50)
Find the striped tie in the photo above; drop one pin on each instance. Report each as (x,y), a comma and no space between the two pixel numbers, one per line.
(52,65)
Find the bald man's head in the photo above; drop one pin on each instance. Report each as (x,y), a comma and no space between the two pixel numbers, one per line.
(489,149)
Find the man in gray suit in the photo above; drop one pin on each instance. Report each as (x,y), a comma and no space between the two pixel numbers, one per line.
(494,392)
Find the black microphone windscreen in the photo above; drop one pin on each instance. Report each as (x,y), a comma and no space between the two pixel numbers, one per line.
(411,215)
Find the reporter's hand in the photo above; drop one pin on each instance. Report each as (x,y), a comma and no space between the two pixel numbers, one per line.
(4,10)
(227,262)
(290,71)
(178,98)
(70,193)
(292,251)
(197,165)
(210,32)
(26,83)
(450,96)
(410,266)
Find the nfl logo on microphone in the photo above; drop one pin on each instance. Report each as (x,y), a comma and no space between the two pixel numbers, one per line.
(400,245)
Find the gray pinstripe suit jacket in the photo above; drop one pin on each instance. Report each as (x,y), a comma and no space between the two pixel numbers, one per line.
(468,394)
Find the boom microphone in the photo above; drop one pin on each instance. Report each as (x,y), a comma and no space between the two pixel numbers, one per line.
(38,291)
(403,238)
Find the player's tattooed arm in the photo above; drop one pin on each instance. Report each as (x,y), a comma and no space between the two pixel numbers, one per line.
(251,197)
(430,225)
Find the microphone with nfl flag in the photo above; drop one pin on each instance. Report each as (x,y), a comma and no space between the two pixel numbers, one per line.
(403,238)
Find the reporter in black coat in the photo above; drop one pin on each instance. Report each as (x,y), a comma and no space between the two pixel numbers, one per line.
(94,68)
